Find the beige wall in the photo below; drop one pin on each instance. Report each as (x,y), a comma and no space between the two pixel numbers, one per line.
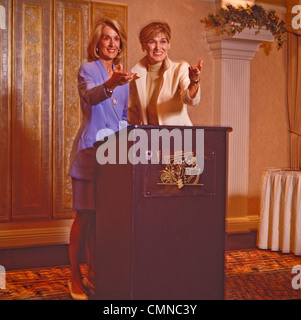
(268,118)
(268,122)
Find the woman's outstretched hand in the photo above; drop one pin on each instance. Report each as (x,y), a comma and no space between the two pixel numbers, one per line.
(194,76)
(119,77)
(195,71)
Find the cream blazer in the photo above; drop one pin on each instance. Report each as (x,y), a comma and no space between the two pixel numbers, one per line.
(173,95)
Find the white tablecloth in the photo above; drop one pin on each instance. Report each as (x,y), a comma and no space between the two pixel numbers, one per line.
(280,213)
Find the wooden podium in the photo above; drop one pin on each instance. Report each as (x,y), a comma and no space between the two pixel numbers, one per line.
(160,233)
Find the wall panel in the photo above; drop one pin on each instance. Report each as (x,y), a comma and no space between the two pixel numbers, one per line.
(31,110)
(71,39)
(43,43)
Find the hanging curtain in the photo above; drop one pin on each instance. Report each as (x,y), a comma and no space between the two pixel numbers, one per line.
(294,82)
(294,97)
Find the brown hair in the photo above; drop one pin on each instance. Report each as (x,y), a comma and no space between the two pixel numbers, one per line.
(152,29)
(92,49)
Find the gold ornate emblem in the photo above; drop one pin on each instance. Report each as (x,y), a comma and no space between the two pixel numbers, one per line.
(181,169)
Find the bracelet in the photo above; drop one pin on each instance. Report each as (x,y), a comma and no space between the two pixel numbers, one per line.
(194,81)
(108,91)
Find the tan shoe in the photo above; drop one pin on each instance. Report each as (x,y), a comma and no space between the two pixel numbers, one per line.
(76,296)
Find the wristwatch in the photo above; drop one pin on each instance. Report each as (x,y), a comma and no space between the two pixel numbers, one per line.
(108,91)
(194,81)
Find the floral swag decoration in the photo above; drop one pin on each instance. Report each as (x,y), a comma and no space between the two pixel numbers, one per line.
(233,20)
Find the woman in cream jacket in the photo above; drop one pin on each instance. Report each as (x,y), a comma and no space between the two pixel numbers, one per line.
(163,88)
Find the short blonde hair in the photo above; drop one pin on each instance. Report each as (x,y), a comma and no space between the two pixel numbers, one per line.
(152,29)
(92,49)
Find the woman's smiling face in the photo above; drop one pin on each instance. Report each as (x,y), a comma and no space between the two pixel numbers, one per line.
(157,48)
(109,43)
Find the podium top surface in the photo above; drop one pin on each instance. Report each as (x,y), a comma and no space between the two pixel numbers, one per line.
(168,127)
(214,128)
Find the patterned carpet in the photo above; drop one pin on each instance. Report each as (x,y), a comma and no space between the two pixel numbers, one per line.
(249,275)
(260,275)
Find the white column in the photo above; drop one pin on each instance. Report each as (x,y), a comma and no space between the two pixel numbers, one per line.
(232,57)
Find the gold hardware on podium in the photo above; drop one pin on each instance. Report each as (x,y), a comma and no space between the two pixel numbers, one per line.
(181,169)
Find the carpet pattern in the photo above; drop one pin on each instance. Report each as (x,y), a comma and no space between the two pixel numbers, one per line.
(260,275)
(249,275)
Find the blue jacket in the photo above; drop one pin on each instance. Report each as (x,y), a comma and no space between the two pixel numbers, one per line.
(99,111)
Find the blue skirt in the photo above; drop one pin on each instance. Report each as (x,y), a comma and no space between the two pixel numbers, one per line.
(83,173)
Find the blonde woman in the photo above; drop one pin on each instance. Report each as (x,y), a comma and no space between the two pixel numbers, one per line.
(104,92)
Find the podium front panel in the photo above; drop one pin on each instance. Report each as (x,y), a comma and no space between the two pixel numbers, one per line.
(160,234)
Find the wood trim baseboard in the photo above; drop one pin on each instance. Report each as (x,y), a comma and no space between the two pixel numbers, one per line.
(20,235)
(242,224)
